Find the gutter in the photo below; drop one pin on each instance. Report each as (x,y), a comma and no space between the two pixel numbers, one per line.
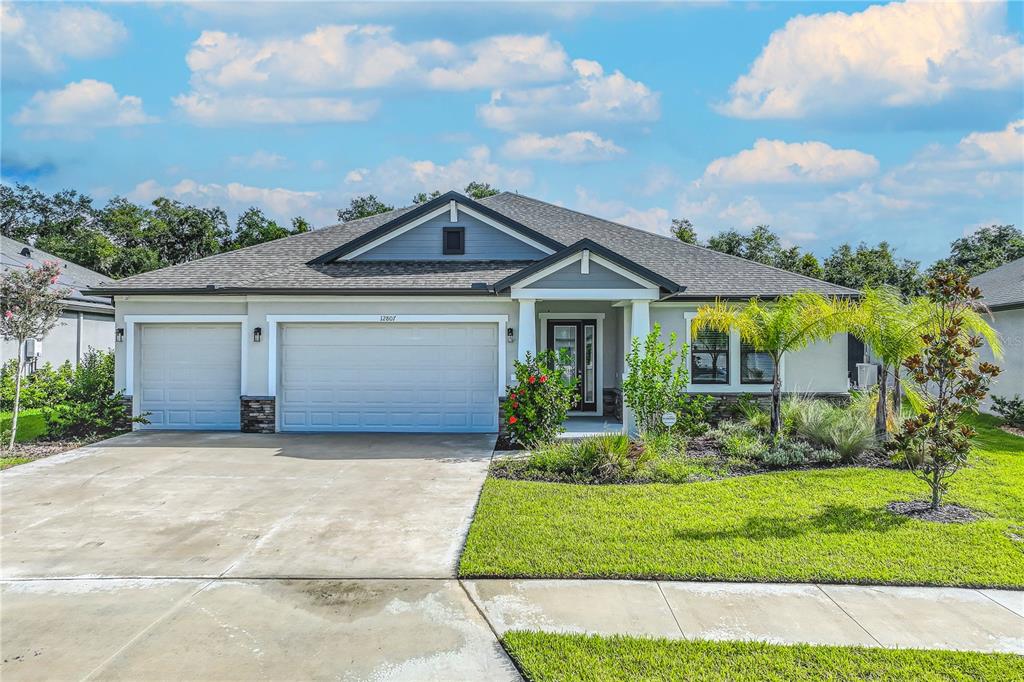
(234,291)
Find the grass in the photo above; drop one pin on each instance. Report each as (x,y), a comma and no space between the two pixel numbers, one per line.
(826,525)
(8,462)
(543,656)
(31,424)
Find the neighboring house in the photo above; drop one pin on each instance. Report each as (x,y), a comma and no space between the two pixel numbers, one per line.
(1002,291)
(411,320)
(86,322)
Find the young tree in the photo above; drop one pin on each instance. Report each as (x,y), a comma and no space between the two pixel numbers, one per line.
(935,444)
(684,231)
(363,207)
(31,307)
(788,324)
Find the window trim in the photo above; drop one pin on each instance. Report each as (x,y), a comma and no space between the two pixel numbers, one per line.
(751,382)
(445,250)
(721,352)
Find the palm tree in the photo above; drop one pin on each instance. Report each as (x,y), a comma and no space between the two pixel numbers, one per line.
(788,324)
(892,326)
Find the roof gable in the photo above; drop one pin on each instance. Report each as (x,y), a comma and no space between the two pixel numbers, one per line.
(451,202)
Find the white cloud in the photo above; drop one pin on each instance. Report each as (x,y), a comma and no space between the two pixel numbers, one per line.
(233,195)
(775,161)
(260,160)
(893,55)
(654,219)
(592,97)
(85,104)
(578,146)
(501,60)
(400,178)
(1001,147)
(36,38)
(215,110)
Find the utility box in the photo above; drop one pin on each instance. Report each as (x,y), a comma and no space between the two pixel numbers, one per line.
(867,374)
(33,349)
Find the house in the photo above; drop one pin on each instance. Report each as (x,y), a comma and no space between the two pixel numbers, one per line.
(411,320)
(1002,291)
(87,320)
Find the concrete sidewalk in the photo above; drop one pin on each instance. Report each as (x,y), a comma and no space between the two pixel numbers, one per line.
(894,617)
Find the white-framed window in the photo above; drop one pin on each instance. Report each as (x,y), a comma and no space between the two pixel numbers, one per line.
(722,363)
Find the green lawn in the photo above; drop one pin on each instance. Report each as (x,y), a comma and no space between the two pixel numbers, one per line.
(31,424)
(543,657)
(826,525)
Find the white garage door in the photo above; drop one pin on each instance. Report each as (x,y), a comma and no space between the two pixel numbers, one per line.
(388,377)
(190,375)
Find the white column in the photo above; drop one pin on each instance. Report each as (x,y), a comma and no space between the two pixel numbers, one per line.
(640,322)
(527,332)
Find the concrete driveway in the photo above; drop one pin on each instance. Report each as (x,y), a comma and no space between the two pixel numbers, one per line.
(230,556)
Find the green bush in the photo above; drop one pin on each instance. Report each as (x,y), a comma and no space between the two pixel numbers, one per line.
(787,453)
(91,405)
(743,445)
(539,401)
(1010,409)
(42,388)
(849,430)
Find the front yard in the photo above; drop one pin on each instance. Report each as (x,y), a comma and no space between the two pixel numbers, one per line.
(542,657)
(818,525)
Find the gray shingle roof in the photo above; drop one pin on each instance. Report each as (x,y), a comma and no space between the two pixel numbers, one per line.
(282,264)
(1002,287)
(73,277)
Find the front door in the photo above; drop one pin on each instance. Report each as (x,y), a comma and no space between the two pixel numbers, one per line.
(579,338)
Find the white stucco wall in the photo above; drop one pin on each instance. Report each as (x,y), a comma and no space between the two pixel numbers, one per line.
(62,343)
(1010,326)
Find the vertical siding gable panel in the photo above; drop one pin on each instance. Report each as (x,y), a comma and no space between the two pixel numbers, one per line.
(424,242)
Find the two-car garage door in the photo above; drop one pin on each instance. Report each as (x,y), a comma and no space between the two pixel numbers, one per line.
(388,377)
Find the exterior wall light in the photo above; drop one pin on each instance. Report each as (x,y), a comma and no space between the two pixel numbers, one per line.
(511,334)
(119,334)
(257,334)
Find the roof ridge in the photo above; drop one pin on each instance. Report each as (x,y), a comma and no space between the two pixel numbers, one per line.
(681,243)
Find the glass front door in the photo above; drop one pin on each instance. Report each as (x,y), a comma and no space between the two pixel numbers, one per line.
(579,339)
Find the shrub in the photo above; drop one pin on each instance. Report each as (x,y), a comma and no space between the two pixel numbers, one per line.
(1010,409)
(743,445)
(42,388)
(538,403)
(788,453)
(91,406)
(847,430)
(656,382)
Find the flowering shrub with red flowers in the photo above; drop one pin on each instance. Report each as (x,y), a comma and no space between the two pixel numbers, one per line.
(537,404)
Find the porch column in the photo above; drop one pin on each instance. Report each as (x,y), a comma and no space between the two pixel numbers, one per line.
(640,320)
(527,328)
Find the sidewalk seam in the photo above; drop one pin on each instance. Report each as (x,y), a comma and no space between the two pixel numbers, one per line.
(850,616)
(497,639)
(982,593)
(671,610)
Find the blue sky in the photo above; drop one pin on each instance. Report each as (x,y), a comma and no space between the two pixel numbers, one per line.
(830,122)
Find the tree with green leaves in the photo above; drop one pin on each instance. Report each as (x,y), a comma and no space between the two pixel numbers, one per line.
(31,305)
(986,249)
(892,326)
(935,443)
(480,190)
(363,207)
(788,324)
(254,228)
(684,231)
(423,197)
(872,266)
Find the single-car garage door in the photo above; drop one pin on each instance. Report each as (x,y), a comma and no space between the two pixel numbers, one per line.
(388,377)
(190,375)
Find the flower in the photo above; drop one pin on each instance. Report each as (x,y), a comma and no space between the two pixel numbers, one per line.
(8,315)
(543,378)
(532,379)
(512,420)
(53,280)
(515,405)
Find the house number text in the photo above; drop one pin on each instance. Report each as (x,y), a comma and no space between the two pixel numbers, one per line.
(388,318)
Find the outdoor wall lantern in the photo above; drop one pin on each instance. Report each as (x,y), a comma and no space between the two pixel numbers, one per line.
(257,334)
(119,334)
(511,334)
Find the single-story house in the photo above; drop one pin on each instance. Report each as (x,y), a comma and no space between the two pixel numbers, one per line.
(411,320)
(1002,291)
(86,322)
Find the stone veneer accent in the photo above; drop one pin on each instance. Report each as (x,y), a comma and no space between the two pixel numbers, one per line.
(502,417)
(258,414)
(124,423)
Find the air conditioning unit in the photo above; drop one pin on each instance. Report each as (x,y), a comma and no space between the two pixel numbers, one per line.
(867,374)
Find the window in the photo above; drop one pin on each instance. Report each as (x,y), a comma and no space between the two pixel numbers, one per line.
(709,358)
(454,243)
(755,367)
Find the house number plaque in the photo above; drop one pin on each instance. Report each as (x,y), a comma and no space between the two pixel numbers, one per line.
(388,318)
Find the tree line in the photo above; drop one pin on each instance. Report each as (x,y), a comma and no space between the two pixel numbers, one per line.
(123,238)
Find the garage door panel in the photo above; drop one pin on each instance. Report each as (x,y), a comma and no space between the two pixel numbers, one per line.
(190,375)
(411,377)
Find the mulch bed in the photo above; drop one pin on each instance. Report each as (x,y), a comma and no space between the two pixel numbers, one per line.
(1013,430)
(38,449)
(921,510)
